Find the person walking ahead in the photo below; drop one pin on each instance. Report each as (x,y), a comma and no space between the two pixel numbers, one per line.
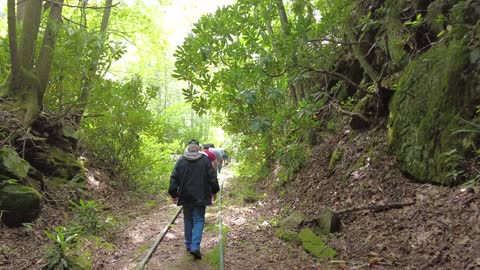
(193,184)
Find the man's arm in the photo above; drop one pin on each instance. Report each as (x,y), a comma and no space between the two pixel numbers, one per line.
(174,182)
(212,178)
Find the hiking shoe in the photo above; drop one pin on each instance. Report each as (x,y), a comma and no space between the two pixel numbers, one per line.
(196,254)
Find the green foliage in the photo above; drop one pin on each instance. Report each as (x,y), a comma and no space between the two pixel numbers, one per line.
(419,20)
(241,60)
(291,159)
(213,256)
(87,218)
(64,240)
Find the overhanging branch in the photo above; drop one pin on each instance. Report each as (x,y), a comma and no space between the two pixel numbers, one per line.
(74,6)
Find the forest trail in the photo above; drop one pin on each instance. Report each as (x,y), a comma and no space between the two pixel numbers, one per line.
(250,240)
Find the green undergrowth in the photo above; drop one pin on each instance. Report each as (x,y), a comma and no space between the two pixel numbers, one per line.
(213,256)
(243,190)
(88,230)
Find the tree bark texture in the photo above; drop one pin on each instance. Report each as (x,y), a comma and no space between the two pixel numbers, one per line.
(369,69)
(283,17)
(21,10)
(31,26)
(15,77)
(45,58)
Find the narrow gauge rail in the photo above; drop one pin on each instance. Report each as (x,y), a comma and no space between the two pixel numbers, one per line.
(162,234)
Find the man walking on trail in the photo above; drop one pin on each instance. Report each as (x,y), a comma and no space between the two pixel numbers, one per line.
(193,184)
(210,154)
(218,156)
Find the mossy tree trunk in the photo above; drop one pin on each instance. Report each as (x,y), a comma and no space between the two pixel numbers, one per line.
(28,79)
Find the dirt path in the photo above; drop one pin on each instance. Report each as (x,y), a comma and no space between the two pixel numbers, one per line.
(250,240)
(171,253)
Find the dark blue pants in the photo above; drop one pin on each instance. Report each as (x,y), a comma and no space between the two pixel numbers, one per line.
(193,221)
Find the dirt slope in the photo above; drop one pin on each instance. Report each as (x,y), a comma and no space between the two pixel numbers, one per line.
(439,230)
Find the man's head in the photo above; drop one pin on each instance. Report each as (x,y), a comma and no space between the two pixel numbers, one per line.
(206,145)
(193,141)
(193,148)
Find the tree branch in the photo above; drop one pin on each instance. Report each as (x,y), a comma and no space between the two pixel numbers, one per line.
(375,207)
(66,5)
(338,76)
(334,41)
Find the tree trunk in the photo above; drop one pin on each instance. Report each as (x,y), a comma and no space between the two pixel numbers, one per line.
(29,80)
(15,77)
(31,26)
(44,62)
(87,81)
(369,69)
(23,77)
(283,17)
(21,10)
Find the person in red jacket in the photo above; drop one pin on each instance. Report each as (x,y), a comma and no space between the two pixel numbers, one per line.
(193,184)
(210,155)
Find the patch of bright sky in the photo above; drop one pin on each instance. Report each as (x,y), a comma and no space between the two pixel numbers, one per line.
(180,15)
(176,18)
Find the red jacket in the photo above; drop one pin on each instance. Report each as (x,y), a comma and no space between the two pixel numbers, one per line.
(210,155)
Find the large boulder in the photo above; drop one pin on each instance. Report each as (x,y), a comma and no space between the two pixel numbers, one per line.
(11,165)
(55,162)
(434,94)
(19,204)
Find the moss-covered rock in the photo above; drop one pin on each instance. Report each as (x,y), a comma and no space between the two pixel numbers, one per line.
(292,221)
(287,235)
(12,165)
(54,162)
(315,245)
(20,204)
(432,97)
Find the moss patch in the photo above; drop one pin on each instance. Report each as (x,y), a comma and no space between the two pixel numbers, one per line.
(337,156)
(287,236)
(315,245)
(57,163)
(213,256)
(11,164)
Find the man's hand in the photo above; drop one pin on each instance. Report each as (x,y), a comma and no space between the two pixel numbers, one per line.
(175,200)
(214,197)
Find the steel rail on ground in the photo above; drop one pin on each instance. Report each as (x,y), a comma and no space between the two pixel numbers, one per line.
(220,231)
(147,257)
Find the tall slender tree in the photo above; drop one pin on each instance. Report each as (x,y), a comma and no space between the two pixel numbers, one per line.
(87,83)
